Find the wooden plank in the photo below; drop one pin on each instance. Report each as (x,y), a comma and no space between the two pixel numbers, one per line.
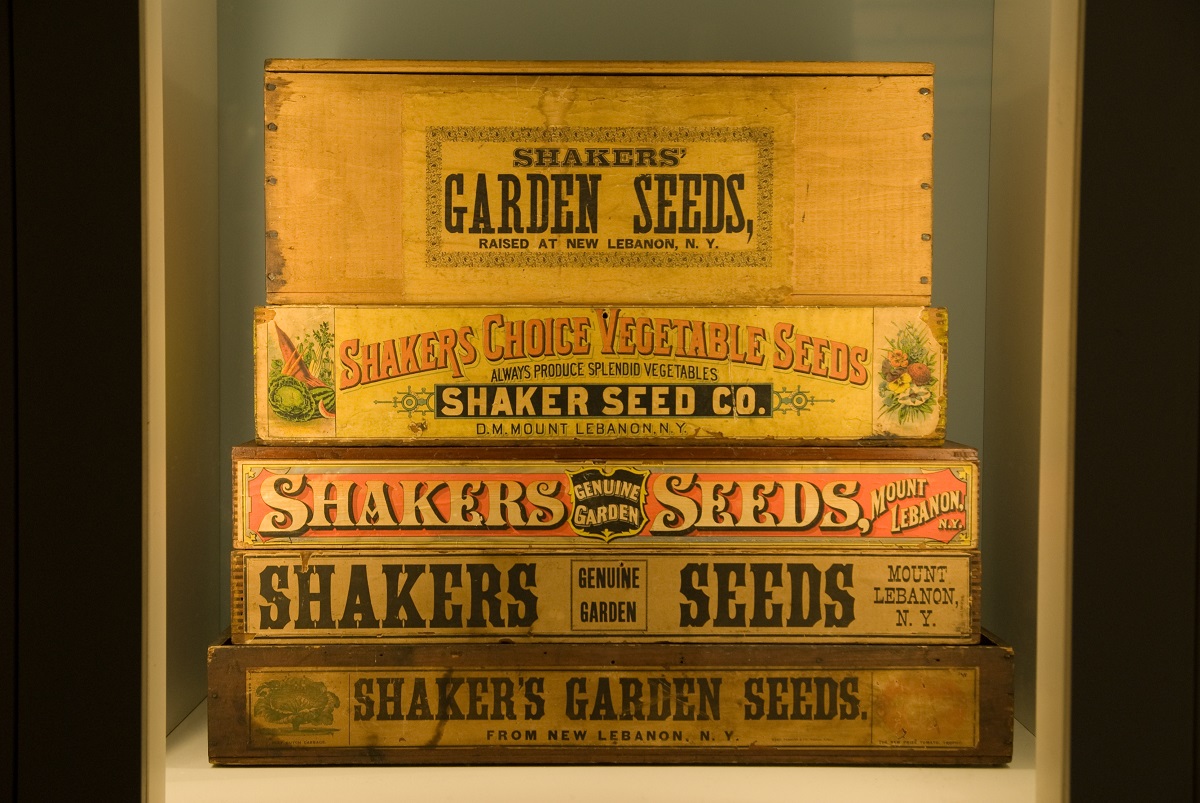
(407,67)
(610,704)
(838,375)
(605,592)
(702,184)
(305,498)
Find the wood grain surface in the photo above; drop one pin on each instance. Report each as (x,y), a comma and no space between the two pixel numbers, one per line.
(610,704)
(452,183)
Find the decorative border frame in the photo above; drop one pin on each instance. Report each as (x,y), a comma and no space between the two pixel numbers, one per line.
(762,137)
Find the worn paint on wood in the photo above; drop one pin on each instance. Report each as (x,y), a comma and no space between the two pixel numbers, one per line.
(306,497)
(579,183)
(483,375)
(607,593)
(620,703)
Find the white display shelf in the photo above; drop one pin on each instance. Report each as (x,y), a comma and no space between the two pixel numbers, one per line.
(191,779)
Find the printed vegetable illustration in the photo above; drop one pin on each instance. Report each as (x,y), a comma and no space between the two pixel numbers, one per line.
(294,392)
(907,376)
(295,701)
(291,399)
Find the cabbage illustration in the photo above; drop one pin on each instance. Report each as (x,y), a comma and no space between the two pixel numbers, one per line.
(291,399)
(295,701)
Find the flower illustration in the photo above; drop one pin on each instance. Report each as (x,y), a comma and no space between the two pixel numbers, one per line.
(898,358)
(907,386)
(913,396)
(920,373)
(901,384)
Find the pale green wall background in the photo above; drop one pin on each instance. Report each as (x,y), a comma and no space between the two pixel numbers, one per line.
(956,35)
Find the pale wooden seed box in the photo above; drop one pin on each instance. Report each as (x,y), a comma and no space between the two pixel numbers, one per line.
(392,182)
(599,591)
(660,375)
(610,704)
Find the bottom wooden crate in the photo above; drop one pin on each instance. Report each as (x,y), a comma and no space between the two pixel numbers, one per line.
(615,703)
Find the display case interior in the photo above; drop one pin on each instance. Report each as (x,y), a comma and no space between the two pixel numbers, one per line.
(998,243)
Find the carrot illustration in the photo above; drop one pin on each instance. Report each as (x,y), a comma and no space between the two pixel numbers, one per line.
(293,363)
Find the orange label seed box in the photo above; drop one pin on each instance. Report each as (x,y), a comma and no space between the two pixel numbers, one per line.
(567,497)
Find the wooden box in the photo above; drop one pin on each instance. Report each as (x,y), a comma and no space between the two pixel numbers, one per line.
(606,592)
(486,375)
(778,497)
(613,703)
(583,182)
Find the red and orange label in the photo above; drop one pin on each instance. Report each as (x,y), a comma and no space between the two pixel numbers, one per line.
(332,503)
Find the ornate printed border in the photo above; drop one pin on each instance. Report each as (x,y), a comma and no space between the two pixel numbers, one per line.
(761,136)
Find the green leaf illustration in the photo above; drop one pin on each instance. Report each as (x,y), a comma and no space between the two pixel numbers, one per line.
(295,701)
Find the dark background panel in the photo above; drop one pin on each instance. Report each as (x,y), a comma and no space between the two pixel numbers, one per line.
(76,357)
(8,454)
(1134,681)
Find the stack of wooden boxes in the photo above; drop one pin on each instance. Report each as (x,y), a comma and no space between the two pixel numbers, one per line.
(600,417)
